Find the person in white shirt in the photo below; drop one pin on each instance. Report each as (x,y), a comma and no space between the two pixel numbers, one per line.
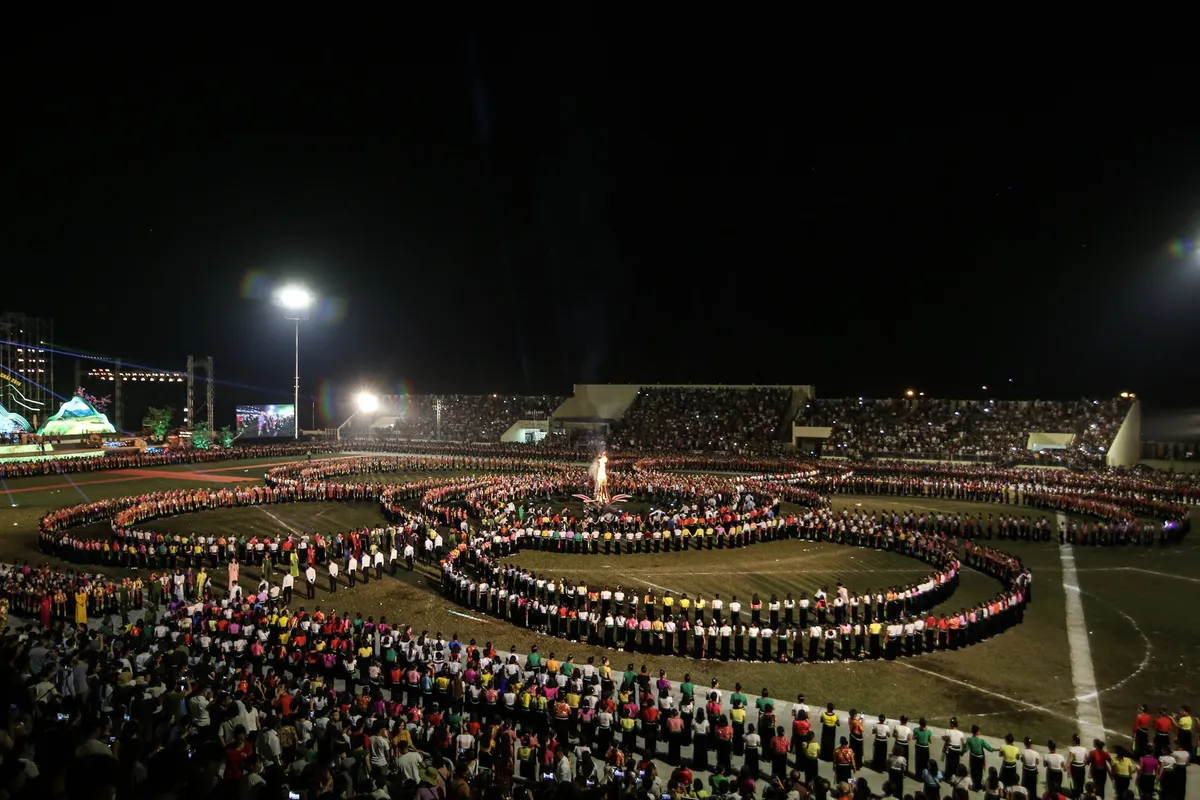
(882,731)
(351,571)
(409,763)
(198,709)
(1055,768)
(95,744)
(1174,780)
(1077,757)
(333,573)
(1030,761)
(310,576)
(288,583)
(952,747)
(267,745)
(903,736)
(563,774)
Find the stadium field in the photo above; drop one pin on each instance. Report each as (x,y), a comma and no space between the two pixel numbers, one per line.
(1138,605)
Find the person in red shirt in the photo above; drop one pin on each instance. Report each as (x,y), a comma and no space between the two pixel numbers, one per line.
(236,753)
(650,726)
(1162,731)
(1141,729)
(284,702)
(1098,761)
(800,729)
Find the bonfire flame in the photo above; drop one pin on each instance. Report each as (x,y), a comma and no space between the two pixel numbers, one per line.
(600,496)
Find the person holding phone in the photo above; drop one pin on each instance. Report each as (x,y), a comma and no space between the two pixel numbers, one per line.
(562,766)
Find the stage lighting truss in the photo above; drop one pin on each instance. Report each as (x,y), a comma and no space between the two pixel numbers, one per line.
(161,377)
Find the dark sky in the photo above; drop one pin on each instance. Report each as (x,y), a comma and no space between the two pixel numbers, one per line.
(522,212)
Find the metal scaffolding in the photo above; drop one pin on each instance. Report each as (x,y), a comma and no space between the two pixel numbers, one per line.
(27,366)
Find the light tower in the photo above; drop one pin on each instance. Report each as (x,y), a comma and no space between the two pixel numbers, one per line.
(296,301)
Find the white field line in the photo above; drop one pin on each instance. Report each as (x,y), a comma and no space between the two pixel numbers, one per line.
(1083,671)
(282,524)
(1147,646)
(1021,703)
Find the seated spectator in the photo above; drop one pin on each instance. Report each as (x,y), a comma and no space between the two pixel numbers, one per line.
(704,418)
(975,429)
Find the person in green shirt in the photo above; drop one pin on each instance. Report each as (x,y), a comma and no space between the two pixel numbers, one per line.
(566,668)
(630,678)
(718,782)
(740,696)
(534,660)
(922,736)
(977,746)
(687,688)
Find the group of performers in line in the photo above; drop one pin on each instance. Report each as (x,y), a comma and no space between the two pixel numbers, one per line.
(887,623)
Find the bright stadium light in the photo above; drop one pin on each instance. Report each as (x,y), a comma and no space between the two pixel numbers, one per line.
(910,393)
(366,402)
(296,300)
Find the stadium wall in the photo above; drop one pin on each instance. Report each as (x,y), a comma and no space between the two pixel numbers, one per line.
(522,429)
(810,439)
(1126,447)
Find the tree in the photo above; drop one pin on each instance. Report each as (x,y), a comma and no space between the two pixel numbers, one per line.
(158,420)
(202,436)
(226,437)
(101,404)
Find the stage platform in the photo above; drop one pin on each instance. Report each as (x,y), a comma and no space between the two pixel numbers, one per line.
(34,452)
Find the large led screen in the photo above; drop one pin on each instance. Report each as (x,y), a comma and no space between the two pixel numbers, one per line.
(255,422)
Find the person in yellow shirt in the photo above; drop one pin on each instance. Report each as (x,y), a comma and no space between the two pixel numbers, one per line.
(81,601)
(1123,768)
(1184,723)
(1009,753)
(812,759)
(402,738)
(737,718)
(829,723)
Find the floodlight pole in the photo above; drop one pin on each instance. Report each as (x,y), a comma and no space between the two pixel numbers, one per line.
(296,387)
(297,300)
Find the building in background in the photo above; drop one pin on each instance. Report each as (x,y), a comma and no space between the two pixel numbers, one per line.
(27,366)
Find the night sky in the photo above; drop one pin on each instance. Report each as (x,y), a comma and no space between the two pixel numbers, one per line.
(520,213)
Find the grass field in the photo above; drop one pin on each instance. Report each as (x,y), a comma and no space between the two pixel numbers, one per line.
(1137,603)
(772,568)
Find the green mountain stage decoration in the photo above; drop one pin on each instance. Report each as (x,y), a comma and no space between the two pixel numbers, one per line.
(76,417)
(12,422)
